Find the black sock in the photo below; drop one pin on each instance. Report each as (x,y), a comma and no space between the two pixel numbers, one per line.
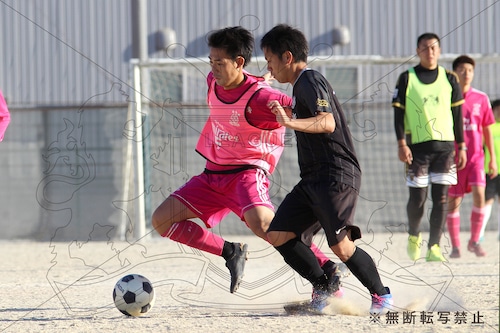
(437,219)
(300,257)
(415,209)
(328,266)
(363,268)
(227,250)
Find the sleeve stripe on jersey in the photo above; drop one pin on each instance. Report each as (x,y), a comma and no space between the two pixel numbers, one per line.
(398,105)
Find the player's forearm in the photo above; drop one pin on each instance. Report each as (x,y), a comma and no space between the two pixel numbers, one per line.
(399,124)
(458,124)
(322,123)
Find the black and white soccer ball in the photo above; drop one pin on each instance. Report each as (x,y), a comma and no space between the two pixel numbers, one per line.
(134,295)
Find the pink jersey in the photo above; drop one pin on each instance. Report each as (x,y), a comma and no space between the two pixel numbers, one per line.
(241,130)
(477,114)
(4,116)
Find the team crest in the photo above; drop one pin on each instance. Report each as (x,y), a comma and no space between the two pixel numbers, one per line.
(476,109)
(235,118)
(322,103)
(432,100)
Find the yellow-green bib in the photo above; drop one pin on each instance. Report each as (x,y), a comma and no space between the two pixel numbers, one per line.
(428,115)
(495,131)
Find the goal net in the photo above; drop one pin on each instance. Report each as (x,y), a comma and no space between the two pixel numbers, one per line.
(171,109)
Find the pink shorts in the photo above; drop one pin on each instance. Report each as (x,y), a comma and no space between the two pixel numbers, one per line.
(212,196)
(472,175)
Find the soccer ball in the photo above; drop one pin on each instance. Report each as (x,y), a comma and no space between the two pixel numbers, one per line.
(133,295)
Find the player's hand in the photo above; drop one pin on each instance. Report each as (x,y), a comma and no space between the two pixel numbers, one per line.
(288,111)
(492,169)
(281,116)
(462,159)
(405,155)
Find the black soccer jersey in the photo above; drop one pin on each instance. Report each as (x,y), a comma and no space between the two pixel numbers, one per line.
(325,156)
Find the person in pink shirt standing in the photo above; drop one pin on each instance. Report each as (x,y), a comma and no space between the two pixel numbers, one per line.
(478,117)
(4,116)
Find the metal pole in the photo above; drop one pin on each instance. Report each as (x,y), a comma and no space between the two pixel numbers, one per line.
(139,51)
(139,29)
(140,223)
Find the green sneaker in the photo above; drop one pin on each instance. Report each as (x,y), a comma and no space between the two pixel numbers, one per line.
(434,254)
(414,246)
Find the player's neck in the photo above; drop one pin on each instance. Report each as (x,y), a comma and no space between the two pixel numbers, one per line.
(240,79)
(465,88)
(429,66)
(296,71)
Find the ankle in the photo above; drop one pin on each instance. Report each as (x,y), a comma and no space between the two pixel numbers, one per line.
(227,250)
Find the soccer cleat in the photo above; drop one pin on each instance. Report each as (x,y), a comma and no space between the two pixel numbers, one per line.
(414,246)
(334,272)
(334,289)
(319,299)
(342,271)
(236,265)
(434,254)
(329,287)
(476,248)
(382,303)
(455,253)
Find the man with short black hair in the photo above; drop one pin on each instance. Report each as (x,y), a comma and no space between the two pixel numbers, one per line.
(428,121)
(326,195)
(478,117)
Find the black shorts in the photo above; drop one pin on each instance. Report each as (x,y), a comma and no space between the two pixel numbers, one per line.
(311,206)
(434,168)
(492,187)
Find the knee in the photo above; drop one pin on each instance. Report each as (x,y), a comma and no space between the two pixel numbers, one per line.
(159,222)
(439,194)
(344,250)
(272,237)
(417,197)
(258,220)
(479,199)
(342,254)
(259,229)
(155,221)
(167,213)
(453,204)
(278,238)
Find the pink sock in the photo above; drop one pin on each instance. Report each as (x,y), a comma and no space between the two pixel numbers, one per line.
(191,234)
(476,223)
(453,223)
(322,258)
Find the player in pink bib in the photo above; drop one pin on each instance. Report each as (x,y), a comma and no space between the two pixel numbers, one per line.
(4,116)
(478,117)
(242,143)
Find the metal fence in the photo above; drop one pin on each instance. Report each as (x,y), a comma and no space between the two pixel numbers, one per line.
(73,172)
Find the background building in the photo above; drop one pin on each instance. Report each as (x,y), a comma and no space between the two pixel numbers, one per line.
(68,168)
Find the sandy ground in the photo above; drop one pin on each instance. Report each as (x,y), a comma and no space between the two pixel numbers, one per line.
(67,287)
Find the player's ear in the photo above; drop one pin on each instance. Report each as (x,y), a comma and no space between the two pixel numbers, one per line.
(287,57)
(240,62)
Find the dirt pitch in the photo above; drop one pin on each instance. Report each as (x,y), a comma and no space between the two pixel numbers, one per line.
(67,287)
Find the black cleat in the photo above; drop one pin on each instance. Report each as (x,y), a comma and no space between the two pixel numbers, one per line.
(325,287)
(330,268)
(236,265)
(335,272)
